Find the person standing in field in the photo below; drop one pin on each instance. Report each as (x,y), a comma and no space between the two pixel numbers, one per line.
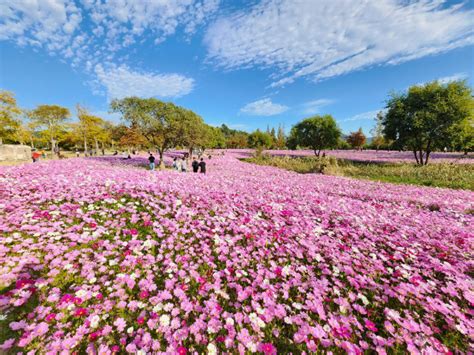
(195,166)
(151,159)
(184,165)
(202,166)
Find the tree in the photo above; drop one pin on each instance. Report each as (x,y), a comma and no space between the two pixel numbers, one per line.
(9,112)
(280,140)
(90,127)
(163,124)
(237,140)
(424,118)
(259,139)
(356,139)
(317,133)
(52,117)
(377,132)
(464,136)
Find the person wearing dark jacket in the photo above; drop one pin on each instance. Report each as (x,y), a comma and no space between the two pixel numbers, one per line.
(202,166)
(195,165)
(151,159)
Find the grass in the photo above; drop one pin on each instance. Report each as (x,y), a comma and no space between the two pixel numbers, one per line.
(447,175)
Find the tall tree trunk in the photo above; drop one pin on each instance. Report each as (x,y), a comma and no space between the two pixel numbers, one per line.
(96,147)
(162,162)
(85,146)
(416,156)
(52,148)
(427,156)
(421,157)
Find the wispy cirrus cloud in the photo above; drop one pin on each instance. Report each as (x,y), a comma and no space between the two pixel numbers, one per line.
(319,40)
(315,106)
(454,77)
(364,116)
(263,107)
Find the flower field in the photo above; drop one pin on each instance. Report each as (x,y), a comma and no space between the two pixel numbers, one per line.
(103,257)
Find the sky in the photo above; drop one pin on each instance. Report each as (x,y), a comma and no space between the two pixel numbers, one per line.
(246,63)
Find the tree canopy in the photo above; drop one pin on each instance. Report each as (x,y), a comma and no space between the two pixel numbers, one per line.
(356,139)
(316,133)
(424,118)
(9,112)
(52,118)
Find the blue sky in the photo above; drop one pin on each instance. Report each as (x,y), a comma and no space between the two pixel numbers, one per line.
(248,64)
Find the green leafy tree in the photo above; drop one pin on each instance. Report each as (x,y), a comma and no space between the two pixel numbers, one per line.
(377,132)
(316,133)
(52,118)
(9,116)
(280,141)
(163,124)
(237,140)
(259,139)
(424,118)
(464,136)
(356,139)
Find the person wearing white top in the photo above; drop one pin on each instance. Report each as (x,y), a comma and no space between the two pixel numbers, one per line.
(184,165)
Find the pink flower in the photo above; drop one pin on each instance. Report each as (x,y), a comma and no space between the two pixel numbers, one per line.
(182,350)
(50,317)
(133,231)
(115,348)
(140,320)
(370,325)
(99,296)
(80,312)
(144,294)
(267,348)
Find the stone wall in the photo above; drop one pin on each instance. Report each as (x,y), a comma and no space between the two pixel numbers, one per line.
(14,152)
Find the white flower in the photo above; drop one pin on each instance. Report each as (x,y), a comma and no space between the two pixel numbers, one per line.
(211,349)
(112,262)
(67,266)
(130,330)
(165,320)
(255,319)
(229,321)
(364,299)
(252,347)
(158,307)
(81,293)
(92,280)
(95,321)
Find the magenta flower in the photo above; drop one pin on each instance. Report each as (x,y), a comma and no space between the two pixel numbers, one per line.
(143,294)
(50,317)
(182,350)
(370,325)
(80,312)
(267,348)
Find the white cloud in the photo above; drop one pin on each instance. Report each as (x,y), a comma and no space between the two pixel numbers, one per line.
(86,33)
(369,115)
(454,77)
(263,107)
(121,81)
(315,39)
(315,106)
(48,23)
